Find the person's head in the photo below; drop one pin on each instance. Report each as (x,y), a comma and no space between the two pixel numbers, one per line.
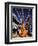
(22,21)
(28,16)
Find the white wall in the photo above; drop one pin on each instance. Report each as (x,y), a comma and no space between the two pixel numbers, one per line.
(2,23)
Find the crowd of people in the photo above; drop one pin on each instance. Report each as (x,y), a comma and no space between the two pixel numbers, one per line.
(22,27)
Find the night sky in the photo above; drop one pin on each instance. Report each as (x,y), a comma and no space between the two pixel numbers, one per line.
(22,13)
